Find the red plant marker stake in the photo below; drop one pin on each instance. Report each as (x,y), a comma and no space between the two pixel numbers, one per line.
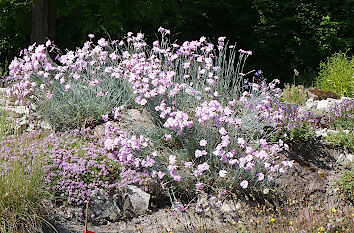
(86,221)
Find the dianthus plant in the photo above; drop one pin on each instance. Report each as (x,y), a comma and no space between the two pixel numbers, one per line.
(199,95)
(220,122)
(75,89)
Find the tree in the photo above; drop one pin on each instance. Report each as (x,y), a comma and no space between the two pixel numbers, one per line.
(43,19)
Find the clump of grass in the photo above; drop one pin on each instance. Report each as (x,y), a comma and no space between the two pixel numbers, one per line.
(346,185)
(294,94)
(337,75)
(342,139)
(21,185)
(5,125)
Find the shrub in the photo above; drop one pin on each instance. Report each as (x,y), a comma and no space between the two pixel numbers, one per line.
(294,94)
(337,75)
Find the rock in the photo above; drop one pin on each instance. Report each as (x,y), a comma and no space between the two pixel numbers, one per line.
(321,95)
(229,206)
(106,209)
(45,125)
(323,104)
(345,158)
(132,121)
(321,133)
(128,203)
(139,199)
(311,104)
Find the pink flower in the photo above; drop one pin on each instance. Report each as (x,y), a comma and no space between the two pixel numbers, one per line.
(222,131)
(203,142)
(188,164)
(67,87)
(108,144)
(168,137)
(260,176)
(172,159)
(177,178)
(180,208)
(242,142)
(160,175)
(244,184)
(91,36)
(199,185)
(48,43)
(222,173)
(105,117)
(200,153)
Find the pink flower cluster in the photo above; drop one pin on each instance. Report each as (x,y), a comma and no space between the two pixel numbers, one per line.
(187,86)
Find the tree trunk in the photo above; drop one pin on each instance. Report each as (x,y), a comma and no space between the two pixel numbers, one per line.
(42,21)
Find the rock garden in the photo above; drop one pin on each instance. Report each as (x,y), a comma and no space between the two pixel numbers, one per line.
(126,136)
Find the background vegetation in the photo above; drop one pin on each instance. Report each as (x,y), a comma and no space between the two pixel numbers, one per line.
(283,35)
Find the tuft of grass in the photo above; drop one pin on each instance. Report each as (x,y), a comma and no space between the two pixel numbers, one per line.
(294,94)
(21,187)
(5,125)
(337,75)
(342,139)
(346,185)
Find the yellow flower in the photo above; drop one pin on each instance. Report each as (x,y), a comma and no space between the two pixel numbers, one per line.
(257,221)
(272,220)
(321,229)
(138,227)
(291,223)
(333,210)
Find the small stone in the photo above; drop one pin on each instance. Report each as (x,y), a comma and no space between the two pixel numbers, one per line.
(321,133)
(323,104)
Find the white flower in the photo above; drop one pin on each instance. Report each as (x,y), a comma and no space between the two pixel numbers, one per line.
(203,142)
(244,184)
(222,173)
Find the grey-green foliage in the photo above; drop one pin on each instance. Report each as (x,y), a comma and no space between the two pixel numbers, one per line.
(84,104)
(81,106)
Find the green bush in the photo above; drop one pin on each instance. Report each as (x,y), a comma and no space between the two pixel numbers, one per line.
(337,75)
